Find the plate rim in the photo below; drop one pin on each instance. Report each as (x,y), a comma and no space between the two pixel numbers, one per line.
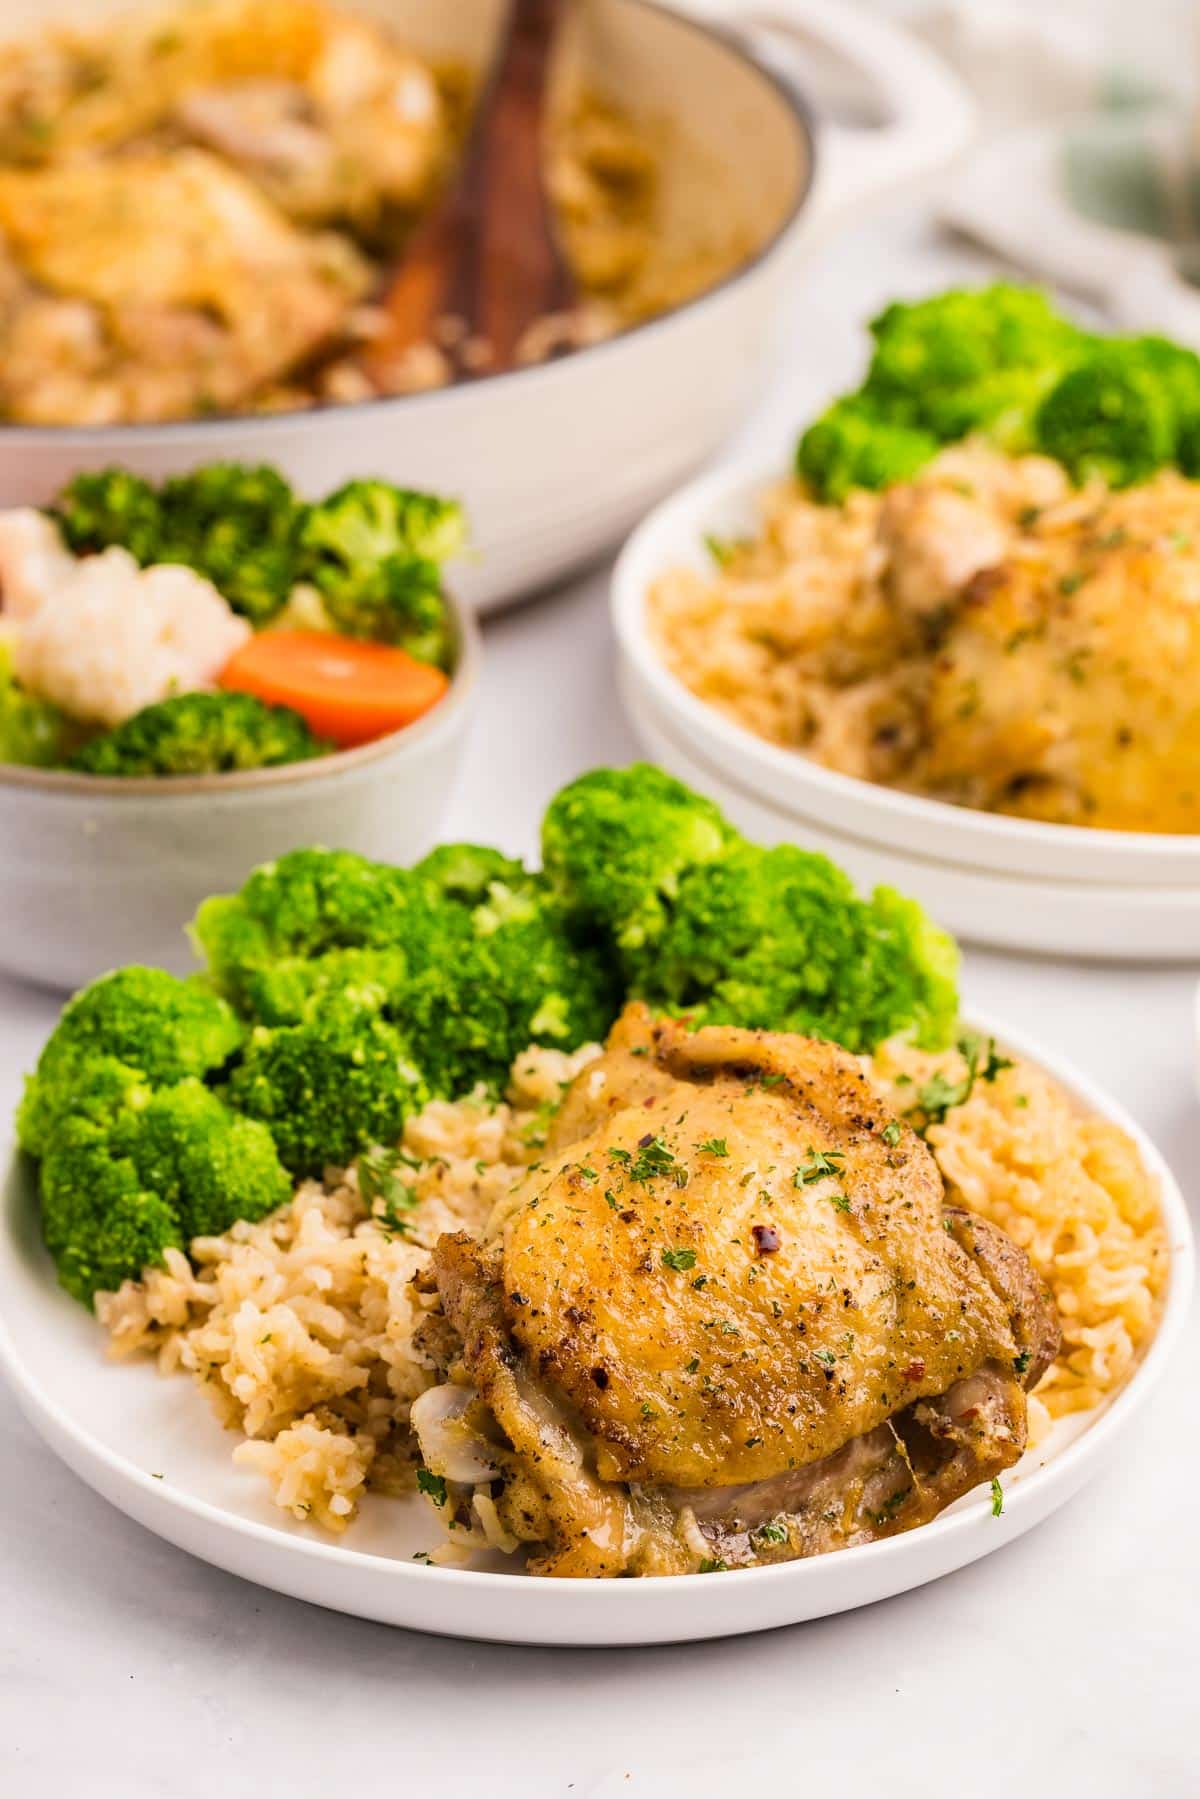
(41,1409)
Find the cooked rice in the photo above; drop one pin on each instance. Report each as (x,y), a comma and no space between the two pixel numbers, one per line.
(302,1327)
(1071,1189)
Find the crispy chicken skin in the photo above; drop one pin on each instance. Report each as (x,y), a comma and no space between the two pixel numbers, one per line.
(728,1318)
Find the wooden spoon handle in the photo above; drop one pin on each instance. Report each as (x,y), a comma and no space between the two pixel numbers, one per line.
(488,253)
(520,273)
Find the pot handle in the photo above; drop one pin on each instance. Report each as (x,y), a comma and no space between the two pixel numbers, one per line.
(929,113)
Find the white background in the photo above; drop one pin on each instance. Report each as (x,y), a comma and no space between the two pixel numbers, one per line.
(1065,1664)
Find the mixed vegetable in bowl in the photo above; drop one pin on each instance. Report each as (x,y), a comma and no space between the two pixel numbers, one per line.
(217,622)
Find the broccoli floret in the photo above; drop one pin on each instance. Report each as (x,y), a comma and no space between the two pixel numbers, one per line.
(853,444)
(210,1165)
(198,734)
(1131,407)
(116,1193)
(101,1225)
(310,902)
(778,940)
(374,552)
(465,871)
(111,507)
(968,360)
(134,1027)
(616,843)
(930,355)
(328,1088)
(32,731)
(237,525)
(294,989)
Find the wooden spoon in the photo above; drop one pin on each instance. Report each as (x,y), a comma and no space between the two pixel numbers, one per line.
(486,261)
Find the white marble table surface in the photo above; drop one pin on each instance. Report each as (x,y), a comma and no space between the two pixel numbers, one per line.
(1068,1663)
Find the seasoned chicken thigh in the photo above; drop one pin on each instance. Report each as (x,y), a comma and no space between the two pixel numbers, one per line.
(728,1318)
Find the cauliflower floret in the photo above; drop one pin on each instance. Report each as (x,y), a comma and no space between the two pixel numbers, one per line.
(34,561)
(113,637)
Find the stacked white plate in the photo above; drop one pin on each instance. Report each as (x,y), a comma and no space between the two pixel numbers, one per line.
(1015,883)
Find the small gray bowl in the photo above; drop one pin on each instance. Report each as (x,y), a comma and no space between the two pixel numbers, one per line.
(97,871)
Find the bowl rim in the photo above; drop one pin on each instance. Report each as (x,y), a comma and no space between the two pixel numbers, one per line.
(464,678)
(1076,1458)
(640,561)
(176,430)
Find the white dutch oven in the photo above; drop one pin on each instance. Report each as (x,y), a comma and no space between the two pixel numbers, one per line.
(554,463)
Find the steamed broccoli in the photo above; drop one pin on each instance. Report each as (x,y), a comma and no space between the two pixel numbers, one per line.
(200,733)
(111,508)
(328,1088)
(616,843)
(310,902)
(32,731)
(465,871)
(240,526)
(963,361)
(853,444)
(235,524)
(374,552)
(777,939)
(947,362)
(174,1165)
(468,954)
(1130,407)
(1000,361)
(132,1028)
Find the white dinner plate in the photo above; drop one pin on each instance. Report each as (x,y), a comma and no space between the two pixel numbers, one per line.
(152,1447)
(1137,893)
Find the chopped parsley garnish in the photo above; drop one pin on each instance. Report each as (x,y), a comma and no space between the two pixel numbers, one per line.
(700,1282)
(692,1365)
(721,549)
(611,1200)
(772,1533)
(619,1155)
(1021,1362)
(714,1146)
(826,1357)
(839,1201)
(939,1095)
(997,1498)
(653,1159)
(588,1174)
(713,1565)
(891,1134)
(432,1484)
(385,1190)
(817,1165)
(679,1259)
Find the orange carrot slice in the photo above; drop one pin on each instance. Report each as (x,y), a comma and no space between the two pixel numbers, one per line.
(348,691)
